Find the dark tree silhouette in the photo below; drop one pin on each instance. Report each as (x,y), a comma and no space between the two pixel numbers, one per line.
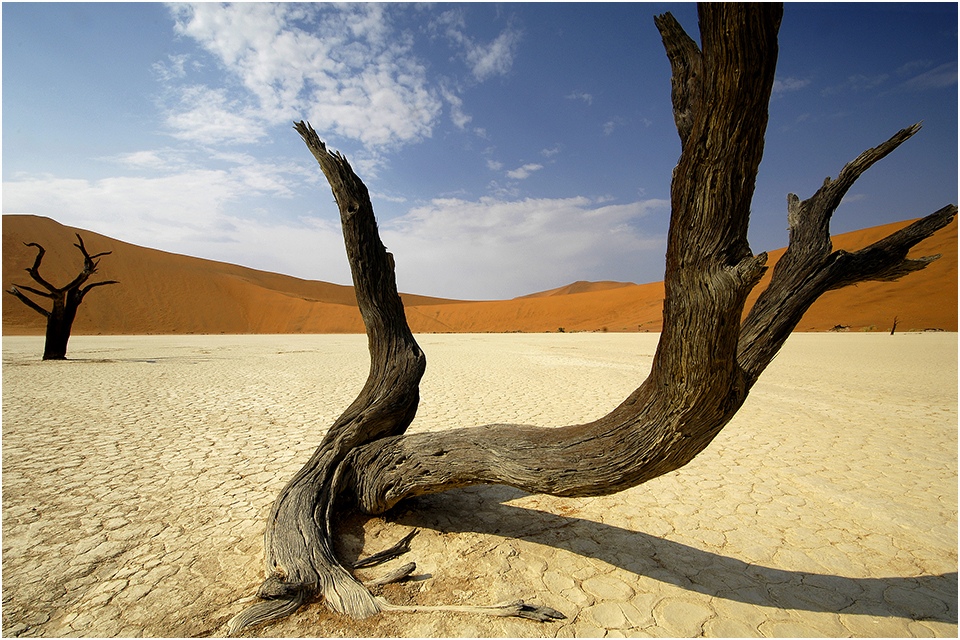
(66,299)
(706,362)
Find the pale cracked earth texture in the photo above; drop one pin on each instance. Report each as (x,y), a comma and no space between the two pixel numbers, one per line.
(137,476)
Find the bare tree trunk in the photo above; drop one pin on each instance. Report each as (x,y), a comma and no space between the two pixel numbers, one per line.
(706,361)
(66,299)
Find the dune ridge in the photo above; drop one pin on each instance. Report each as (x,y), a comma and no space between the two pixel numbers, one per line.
(166,293)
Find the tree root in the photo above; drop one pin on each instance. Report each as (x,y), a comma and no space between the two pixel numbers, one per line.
(265,611)
(280,599)
(395,551)
(512,608)
(394,576)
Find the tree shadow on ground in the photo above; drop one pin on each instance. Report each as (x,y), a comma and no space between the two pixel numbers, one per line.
(482,510)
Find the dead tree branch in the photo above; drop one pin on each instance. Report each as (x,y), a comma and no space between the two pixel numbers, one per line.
(809,267)
(66,299)
(705,364)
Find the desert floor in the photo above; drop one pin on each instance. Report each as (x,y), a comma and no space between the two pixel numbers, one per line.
(137,476)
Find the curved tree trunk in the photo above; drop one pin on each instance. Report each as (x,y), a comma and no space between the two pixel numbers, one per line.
(706,361)
(696,384)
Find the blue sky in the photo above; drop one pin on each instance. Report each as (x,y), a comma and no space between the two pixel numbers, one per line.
(508,148)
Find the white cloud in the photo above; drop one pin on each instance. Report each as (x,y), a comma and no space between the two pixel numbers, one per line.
(522,173)
(580,95)
(142,208)
(377,196)
(496,248)
(498,190)
(857,82)
(853,197)
(208,116)
(494,165)
(459,118)
(862,82)
(913,67)
(172,69)
(193,211)
(938,78)
(786,85)
(485,60)
(341,66)
(152,159)
(552,151)
(611,125)
(494,59)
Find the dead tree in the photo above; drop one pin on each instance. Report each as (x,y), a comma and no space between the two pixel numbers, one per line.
(706,362)
(66,299)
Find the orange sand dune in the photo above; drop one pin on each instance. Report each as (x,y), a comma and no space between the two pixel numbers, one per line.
(580,286)
(164,293)
(923,300)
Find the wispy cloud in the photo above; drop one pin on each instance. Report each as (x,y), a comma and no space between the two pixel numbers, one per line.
(342,66)
(522,173)
(787,85)
(139,209)
(457,115)
(153,159)
(485,60)
(913,67)
(552,151)
(495,58)
(192,212)
(531,243)
(580,95)
(856,83)
(174,197)
(611,125)
(939,77)
(853,197)
(172,69)
(207,116)
(491,247)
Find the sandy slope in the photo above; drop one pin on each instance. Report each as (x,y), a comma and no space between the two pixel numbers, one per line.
(168,293)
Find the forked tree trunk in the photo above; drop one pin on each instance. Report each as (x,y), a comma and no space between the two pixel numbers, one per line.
(706,361)
(65,300)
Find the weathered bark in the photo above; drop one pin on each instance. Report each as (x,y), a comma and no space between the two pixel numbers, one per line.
(809,267)
(66,299)
(300,560)
(706,361)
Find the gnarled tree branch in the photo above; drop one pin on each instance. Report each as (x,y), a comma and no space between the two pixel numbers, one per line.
(809,267)
(15,290)
(686,64)
(705,364)
(300,560)
(34,270)
(677,413)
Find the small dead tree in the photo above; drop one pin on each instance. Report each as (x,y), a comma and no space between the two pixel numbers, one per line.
(706,362)
(66,299)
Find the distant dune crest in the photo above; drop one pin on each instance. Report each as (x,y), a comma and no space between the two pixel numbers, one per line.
(580,286)
(165,293)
